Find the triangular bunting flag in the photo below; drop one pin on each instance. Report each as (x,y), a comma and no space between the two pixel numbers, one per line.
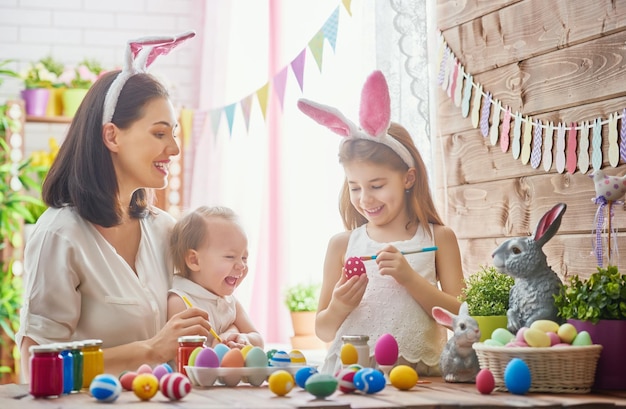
(346,4)
(279,82)
(229,110)
(186,125)
(215,116)
(330,28)
(297,66)
(316,45)
(246,108)
(262,95)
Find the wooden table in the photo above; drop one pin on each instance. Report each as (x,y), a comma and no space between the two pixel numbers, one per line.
(435,395)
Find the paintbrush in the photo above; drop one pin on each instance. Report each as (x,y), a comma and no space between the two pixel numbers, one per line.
(422,250)
(188,303)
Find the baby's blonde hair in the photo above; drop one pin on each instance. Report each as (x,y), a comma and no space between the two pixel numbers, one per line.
(191,231)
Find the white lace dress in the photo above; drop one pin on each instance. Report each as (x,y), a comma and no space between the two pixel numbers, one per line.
(387,307)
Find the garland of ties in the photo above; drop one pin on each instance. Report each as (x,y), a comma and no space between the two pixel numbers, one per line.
(531,140)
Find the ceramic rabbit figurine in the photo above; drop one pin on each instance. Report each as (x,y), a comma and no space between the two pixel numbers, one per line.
(458,360)
(532,295)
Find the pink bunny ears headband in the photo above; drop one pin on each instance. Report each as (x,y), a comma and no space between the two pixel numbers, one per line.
(374,117)
(140,53)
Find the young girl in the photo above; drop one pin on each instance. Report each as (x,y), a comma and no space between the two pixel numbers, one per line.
(387,208)
(210,254)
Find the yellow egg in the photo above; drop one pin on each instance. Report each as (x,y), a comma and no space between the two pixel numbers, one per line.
(545,325)
(536,338)
(567,332)
(403,377)
(349,354)
(297,357)
(280,382)
(245,350)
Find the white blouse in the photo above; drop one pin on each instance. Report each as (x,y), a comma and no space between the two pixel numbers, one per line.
(77,287)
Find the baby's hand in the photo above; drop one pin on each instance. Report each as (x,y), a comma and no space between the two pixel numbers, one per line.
(235,340)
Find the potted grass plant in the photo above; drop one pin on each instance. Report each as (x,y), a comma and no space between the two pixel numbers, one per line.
(301,301)
(487,295)
(598,305)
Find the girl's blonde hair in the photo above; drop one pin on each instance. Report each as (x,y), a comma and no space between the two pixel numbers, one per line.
(419,203)
(191,231)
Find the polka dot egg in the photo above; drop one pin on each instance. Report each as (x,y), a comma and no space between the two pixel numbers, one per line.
(369,380)
(353,267)
(105,388)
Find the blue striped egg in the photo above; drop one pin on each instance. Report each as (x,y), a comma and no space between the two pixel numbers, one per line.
(280,359)
(369,380)
(105,388)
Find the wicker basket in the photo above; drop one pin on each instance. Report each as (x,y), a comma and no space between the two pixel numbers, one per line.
(559,370)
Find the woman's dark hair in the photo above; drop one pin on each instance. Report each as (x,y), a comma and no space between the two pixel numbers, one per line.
(82,174)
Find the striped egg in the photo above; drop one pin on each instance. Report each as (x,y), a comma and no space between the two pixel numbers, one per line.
(280,359)
(346,380)
(175,386)
(297,357)
(105,388)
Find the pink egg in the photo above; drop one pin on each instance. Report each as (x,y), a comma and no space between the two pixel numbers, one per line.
(386,350)
(485,382)
(127,380)
(554,338)
(520,334)
(207,358)
(353,267)
(516,344)
(561,345)
(144,368)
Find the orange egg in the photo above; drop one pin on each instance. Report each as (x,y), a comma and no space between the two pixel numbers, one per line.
(233,359)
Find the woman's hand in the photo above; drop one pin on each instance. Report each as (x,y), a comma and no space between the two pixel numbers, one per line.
(391,262)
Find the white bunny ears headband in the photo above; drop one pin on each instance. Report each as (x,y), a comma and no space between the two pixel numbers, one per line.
(140,53)
(374,117)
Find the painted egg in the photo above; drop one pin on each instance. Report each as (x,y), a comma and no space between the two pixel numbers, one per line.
(485,382)
(536,338)
(145,386)
(194,354)
(502,335)
(386,350)
(207,358)
(567,332)
(221,350)
(554,338)
(245,350)
(354,367)
(270,353)
(160,370)
(105,388)
(144,368)
(493,343)
(545,325)
(126,379)
(297,357)
(233,359)
(517,377)
(256,358)
(582,339)
(353,267)
(174,386)
(403,377)
(345,379)
(303,374)
(321,385)
(520,334)
(280,359)
(349,355)
(369,380)
(280,382)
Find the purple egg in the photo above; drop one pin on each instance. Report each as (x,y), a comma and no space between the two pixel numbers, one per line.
(207,358)
(161,370)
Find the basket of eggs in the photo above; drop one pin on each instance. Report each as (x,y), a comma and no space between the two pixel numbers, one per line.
(555,358)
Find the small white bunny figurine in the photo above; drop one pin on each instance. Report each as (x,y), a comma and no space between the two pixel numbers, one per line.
(532,296)
(458,360)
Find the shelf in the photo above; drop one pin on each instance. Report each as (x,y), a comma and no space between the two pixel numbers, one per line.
(49,119)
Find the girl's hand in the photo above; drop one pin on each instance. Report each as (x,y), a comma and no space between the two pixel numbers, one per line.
(391,262)
(192,321)
(348,292)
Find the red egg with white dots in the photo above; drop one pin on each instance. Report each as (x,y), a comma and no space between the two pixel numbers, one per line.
(485,383)
(353,267)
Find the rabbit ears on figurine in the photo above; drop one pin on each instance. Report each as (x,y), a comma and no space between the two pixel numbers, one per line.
(374,117)
(446,318)
(140,53)
(549,224)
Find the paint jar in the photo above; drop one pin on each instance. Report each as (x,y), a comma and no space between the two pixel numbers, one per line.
(186,345)
(68,367)
(46,370)
(360,344)
(77,354)
(93,360)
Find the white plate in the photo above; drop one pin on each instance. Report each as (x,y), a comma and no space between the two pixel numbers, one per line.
(205,377)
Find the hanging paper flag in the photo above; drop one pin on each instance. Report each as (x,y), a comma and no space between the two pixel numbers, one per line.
(442,66)
(613,145)
(583,153)
(476,106)
(458,88)
(467,96)
(527,139)
(560,148)
(517,136)
(547,147)
(215,117)
(446,71)
(346,4)
(316,45)
(453,78)
(506,128)
(484,115)
(535,155)
(186,126)
(330,28)
(246,108)
(297,66)
(280,79)
(229,110)
(571,148)
(263,95)
(495,123)
(596,144)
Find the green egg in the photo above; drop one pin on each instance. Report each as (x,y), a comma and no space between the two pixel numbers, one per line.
(493,343)
(582,339)
(193,355)
(502,335)
(321,385)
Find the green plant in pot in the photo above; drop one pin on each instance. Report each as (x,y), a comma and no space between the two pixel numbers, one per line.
(301,301)
(487,295)
(598,305)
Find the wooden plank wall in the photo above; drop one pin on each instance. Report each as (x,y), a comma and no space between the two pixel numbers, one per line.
(559,61)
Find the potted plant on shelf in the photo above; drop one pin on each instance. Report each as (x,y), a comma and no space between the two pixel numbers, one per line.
(78,79)
(598,305)
(38,81)
(301,301)
(487,295)
(57,87)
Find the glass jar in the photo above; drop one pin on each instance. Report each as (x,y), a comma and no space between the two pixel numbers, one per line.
(46,370)
(186,345)
(93,360)
(77,354)
(362,348)
(68,367)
